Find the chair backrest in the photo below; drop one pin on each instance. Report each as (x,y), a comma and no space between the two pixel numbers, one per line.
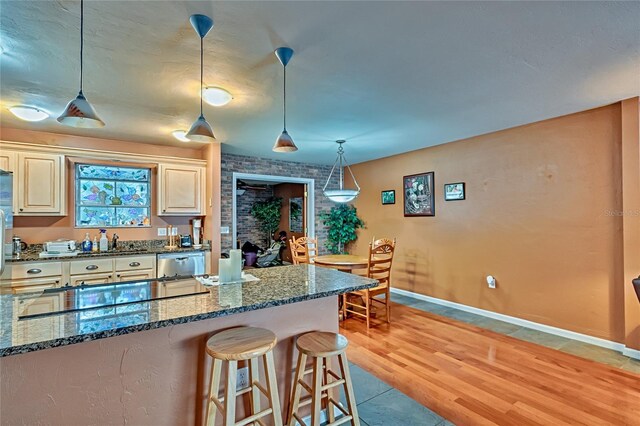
(303,250)
(380,260)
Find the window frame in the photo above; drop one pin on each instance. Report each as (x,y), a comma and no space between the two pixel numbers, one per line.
(77,191)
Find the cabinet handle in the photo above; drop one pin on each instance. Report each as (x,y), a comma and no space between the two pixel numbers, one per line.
(34,271)
(118,275)
(109,276)
(91,267)
(134,264)
(181,259)
(21,209)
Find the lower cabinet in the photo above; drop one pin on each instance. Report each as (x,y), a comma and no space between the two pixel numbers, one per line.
(147,274)
(98,278)
(42,304)
(177,288)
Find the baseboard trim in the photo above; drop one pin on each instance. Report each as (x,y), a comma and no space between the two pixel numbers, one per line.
(620,347)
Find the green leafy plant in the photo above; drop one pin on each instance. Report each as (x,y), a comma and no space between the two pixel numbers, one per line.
(296,210)
(342,221)
(267,212)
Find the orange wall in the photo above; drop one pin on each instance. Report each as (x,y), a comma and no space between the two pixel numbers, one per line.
(40,229)
(536,216)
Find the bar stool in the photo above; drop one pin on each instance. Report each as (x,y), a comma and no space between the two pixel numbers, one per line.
(233,345)
(321,346)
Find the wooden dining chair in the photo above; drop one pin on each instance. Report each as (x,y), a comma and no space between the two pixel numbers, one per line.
(303,250)
(378,267)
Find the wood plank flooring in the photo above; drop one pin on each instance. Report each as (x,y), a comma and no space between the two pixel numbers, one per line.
(473,376)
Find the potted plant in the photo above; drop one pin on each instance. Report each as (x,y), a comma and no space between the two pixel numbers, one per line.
(267,212)
(342,222)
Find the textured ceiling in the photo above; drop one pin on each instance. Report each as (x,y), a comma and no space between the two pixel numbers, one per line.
(387,76)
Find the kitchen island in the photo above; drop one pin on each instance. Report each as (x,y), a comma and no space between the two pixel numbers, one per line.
(144,363)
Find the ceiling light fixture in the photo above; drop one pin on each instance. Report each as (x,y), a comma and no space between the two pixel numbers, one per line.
(180,135)
(216,96)
(284,143)
(28,113)
(200,130)
(341,195)
(79,112)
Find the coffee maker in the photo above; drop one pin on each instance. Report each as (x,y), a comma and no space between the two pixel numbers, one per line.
(197,229)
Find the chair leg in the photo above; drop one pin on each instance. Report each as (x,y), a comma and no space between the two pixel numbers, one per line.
(214,386)
(272,388)
(344,307)
(230,394)
(254,377)
(316,397)
(387,302)
(348,389)
(297,389)
(330,392)
(367,306)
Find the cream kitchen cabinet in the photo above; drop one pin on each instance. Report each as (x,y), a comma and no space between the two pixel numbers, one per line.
(181,190)
(100,278)
(41,184)
(135,268)
(8,161)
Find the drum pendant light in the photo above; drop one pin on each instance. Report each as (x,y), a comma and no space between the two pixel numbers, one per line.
(284,143)
(341,195)
(200,130)
(79,112)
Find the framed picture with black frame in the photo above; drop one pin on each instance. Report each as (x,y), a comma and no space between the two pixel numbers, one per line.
(388,196)
(419,196)
(454,191)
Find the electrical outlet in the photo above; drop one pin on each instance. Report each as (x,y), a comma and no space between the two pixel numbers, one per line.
(491,281)
(224,229)
(162,232)
(243,378)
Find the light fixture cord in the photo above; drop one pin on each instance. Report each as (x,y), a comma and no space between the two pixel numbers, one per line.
(284,104)
(201,71)
(81,40)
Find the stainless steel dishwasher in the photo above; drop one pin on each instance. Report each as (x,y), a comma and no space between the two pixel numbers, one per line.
(180,264)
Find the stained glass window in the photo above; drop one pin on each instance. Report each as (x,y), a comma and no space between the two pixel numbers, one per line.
(109,196)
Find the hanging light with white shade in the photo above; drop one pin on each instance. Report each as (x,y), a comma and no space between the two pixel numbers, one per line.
(79,112)
(200,130)
(341,195)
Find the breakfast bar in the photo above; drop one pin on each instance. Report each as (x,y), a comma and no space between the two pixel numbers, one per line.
(142,361)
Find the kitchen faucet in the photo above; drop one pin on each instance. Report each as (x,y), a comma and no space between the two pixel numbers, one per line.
(114,241)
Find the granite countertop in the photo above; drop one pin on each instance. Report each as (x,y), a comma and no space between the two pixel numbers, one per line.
(33,255)
(277,286)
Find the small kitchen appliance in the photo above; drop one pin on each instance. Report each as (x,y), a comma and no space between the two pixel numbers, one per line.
(18,245)
(60,246)
(197,228)
(185,241)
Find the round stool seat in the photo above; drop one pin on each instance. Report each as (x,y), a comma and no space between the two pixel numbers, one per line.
(322,344)
(241,343)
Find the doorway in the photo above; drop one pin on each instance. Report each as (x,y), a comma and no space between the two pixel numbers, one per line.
(297,212)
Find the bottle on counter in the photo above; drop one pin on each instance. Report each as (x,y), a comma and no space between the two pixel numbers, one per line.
(87,246)
(94,246)
(104,242)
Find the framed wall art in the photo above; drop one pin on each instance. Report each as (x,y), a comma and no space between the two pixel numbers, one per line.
(388,197)
(454,191)
(419,199)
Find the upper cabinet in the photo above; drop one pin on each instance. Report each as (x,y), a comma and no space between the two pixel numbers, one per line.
(181,190)
(8,161)
(41,184)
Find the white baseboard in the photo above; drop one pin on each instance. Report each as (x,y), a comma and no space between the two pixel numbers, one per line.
(620,347)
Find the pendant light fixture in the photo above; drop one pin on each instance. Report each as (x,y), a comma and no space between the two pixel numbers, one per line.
(79,112)
(200,130)
(341,195)
(284,143)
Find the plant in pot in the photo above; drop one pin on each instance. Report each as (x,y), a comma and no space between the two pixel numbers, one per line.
(267,213)
(342,222)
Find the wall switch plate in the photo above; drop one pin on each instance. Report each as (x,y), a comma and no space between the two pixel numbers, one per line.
(174,231)
(162,232)
(243,378)
(224,229)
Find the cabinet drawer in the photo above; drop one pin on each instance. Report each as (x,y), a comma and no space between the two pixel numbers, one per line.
(135,262)
(33,270)
(91,266)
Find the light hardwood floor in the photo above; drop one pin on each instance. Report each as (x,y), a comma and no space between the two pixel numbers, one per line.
(473,376)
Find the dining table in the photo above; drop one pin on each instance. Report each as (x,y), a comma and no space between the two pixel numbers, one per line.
(342,262)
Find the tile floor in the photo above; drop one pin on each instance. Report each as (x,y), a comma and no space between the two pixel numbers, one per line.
(381,405)
(584,350)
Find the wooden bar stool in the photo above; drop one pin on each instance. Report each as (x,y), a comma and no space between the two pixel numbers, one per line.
(320,346)
(233,345)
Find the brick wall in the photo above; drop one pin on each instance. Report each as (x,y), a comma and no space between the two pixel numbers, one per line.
(242,164)
(248,226)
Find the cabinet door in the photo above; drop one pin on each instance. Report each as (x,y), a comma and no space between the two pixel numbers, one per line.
(178,288)
(91,279)
(146,274)
(41,189)
(26,330)
(180,190)
(33,285)
(8,164)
